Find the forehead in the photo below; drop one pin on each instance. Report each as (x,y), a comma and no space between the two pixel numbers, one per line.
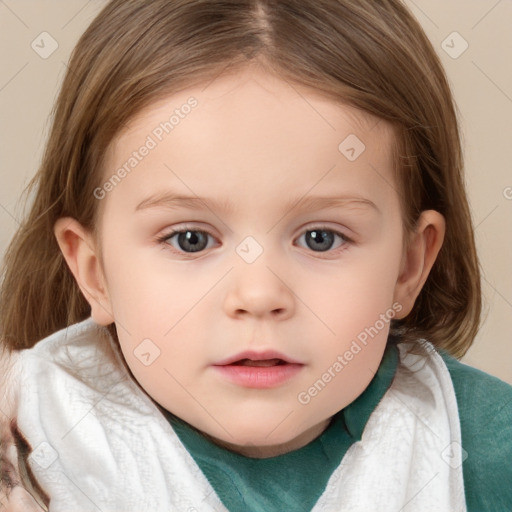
(260,95)
(251,131)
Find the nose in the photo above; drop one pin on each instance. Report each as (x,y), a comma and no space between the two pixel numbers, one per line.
(258,290)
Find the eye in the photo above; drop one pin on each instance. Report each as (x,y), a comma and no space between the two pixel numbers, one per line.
(322,239)
(191,240)
(187,240)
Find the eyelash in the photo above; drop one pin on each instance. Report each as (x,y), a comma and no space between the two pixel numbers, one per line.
(164,239)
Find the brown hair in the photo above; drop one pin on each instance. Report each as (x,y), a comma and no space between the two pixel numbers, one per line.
(370,54)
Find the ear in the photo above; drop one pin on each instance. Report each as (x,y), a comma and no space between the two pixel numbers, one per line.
(80,252)
(418,259)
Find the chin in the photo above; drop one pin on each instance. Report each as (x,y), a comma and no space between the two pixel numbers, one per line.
(257,439)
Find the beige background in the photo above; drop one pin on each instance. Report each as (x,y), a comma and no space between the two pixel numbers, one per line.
(481,77)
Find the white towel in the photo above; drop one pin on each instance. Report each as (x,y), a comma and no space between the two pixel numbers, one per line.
(100,444)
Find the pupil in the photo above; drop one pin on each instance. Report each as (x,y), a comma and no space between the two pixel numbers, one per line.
(322,239)
(192,241)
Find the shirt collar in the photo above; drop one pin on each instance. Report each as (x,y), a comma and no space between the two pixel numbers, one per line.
(357,413)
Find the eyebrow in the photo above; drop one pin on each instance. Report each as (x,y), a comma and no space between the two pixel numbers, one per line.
(170,200)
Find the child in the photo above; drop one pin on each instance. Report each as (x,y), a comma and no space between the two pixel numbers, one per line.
(248,272)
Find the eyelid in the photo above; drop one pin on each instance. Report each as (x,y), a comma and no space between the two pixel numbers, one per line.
(325,226)
(166,235)
(321,227)
(303,229)
(183,228)
(163,241)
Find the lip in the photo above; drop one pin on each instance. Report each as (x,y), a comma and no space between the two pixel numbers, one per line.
(256,356)
(259,377)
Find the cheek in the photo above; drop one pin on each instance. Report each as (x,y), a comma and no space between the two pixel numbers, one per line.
(356,296)
(356,308)
(140,293)
(350,350)
(163,343)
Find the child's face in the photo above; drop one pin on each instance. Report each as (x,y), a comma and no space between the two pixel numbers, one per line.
(272,275)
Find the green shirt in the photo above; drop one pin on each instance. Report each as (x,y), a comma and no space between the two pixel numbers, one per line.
(294,481)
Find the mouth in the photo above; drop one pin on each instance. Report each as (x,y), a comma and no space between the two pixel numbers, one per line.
(261,370)
(255,358)
(261,362)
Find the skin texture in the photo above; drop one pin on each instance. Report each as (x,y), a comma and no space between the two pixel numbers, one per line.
(260,145)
